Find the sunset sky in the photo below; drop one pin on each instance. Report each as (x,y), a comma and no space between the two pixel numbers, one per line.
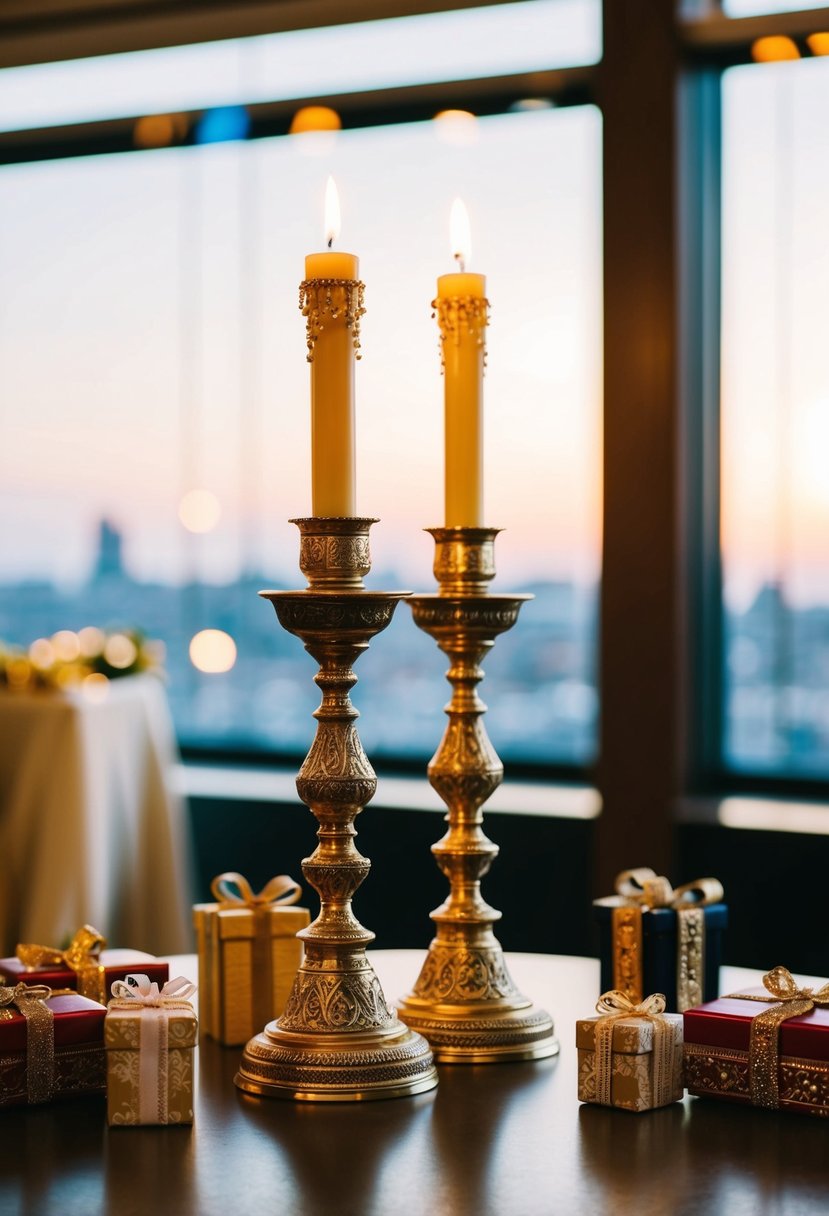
(163,286)
(150,340)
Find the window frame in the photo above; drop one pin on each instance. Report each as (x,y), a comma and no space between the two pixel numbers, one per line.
(661,738)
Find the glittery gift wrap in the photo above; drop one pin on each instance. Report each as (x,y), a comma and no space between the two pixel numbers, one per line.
(171,1081)
(632,1083)
(654,952)
(716,1057)
(79,1063)
(95,982)
(248,959)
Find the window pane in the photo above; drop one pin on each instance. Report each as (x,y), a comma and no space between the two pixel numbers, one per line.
(752,8)
(775,420)
(152,344)
(533,35)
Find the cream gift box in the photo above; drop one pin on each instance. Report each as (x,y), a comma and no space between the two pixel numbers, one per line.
(149,1036)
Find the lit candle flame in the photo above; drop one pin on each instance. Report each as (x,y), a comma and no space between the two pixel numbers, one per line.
(460,233)
(332,212)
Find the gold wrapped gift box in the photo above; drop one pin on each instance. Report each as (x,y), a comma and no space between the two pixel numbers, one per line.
(149,1051)
(248,957)
(637,1077)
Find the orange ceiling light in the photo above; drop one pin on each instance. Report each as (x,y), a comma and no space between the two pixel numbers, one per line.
(818,43)
(774,49)
(315,118)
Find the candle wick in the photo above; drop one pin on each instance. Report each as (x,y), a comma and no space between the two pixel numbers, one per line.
(460,261)
(331,242)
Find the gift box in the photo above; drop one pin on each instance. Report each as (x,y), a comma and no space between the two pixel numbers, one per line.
(248,955)
(630,1056)
(150,1034)
(51,1046)
(654,938)
(766,1047)
(85,965)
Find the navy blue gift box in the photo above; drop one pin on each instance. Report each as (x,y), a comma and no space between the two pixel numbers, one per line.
(657,960)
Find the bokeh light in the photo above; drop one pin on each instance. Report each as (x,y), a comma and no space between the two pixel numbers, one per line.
(774,49)
(212,651)
(222,124)
(95,687)
(159,130)
(458,128)
(42,653)
(199,510)
(67,645)
(818,43)
(315,118)
(91,641)
(120,651)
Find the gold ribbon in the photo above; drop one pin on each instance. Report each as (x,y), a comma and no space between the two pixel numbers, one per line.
(764,1045)
(30,1000)
(642,889)
(613,1007)
(279,890)
(82,956)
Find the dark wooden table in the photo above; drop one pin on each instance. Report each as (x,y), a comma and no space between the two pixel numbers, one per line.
(492,1140)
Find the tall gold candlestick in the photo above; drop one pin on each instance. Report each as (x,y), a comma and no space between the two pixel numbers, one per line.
(337,1039)
(465,1001)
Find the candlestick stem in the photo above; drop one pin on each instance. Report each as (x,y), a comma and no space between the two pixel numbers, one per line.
(465,1001)
(337,1039)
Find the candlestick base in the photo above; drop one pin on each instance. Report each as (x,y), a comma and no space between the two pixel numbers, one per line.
(337,1039)
(464,1001)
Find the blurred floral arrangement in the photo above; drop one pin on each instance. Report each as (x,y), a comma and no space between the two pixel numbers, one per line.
(89,659)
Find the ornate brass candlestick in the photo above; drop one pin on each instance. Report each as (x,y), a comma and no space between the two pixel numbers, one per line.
(337,1040)
(465,1001)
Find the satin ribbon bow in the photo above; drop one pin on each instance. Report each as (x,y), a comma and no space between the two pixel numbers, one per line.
(612,1007)
(140,990)
(30,1000)
(617,1004)
(763,1045)
(279,890)
(81,956)
(645,886)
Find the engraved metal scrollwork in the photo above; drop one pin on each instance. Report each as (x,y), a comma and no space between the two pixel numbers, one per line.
(337,1038)
(464,1000)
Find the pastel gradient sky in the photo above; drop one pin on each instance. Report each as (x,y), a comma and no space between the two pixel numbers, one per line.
(150,340)
(155,343)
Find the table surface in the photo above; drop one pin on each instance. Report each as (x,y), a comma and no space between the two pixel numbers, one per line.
(492,1140)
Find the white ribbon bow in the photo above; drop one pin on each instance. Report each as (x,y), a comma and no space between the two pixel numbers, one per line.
(143,991)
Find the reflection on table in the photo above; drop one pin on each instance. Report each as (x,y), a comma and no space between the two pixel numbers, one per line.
(90,829)
(492,1140)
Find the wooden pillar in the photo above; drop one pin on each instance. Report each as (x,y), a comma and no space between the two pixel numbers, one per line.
(639,770)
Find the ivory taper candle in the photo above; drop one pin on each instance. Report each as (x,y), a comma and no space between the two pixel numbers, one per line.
(461,307)
(331,299)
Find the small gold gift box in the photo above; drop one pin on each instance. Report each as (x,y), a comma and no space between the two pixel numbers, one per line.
(149,1037)
(248,955)
(631,1055)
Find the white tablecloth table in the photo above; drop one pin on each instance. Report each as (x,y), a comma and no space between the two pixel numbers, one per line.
(91,830)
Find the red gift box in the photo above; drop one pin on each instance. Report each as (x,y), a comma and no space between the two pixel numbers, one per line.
(79,1059)
(717,1053)
(96,984)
